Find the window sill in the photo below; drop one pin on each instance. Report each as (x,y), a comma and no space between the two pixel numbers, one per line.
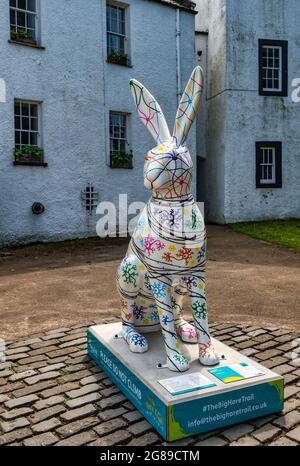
(127,65)
(121,166)
(26,44)
(269,186)
(31,164)
(273,93)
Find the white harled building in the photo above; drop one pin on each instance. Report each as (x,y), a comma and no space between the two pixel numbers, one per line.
(248,138)
(69,133)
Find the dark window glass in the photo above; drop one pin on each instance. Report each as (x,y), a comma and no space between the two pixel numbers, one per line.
(273,67)
(268,164)
(22,4)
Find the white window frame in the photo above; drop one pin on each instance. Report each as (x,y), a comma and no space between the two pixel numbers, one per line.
(119,139)
(21,130)
(267,69)
(266,152)
(122,7)
(26,11)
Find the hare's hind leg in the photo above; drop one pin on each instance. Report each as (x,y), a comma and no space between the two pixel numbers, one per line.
(207,353)
(128,283)
(137,343)
(186,331)
(162,291)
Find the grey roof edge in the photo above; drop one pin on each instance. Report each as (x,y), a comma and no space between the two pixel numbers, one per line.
(185,5)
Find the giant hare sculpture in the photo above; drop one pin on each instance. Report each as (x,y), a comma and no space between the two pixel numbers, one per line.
(166,255)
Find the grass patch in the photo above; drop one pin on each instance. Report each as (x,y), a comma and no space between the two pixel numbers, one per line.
(285,233)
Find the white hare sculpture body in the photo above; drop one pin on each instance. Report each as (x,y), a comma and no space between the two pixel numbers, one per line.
(166,256)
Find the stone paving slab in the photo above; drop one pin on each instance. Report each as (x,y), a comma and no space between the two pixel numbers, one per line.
(51,393)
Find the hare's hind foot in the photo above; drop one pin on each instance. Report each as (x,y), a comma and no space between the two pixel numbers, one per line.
(176,362)
(136,342)
(187,332)
(208,355)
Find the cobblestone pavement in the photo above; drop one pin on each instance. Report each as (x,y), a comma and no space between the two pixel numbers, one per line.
(51,393)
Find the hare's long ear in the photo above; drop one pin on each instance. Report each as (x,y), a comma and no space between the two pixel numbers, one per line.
(150,112)
(188,106)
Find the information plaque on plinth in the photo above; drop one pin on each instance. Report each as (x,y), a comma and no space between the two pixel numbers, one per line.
(179,405)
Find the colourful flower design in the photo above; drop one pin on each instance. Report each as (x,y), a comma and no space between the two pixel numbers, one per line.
(141,223)
(167,256)
(185,254)
(191,332)
(154,315)
(170,218)
(200,310)
(180,358)
(175,305)
(201,253)
(151,245)
(129,273)
(137,340)
(123,304)
(196,220)
(138,311)
(190,282)
(158,289)
(166,320)
(201,287)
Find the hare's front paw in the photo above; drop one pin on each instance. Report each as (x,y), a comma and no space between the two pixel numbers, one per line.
(208,355)
(177,363)
(136,342)
(187,333)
